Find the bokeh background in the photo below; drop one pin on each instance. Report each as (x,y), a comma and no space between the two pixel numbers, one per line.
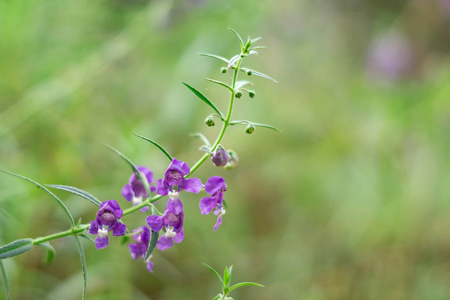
(350,201)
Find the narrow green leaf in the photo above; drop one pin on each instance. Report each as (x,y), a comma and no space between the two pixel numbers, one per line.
(87,238)
(215,273)
(259,47)
(152,244)
(239,37)
(83,265)
(221,83)
(203,98)
(204,139)
(134,168)
(5,279)
(156,144)
(48,191)
(217,297)
(252,41)
(76,191)
(205,148)
(226,278)
(215,56)
(233,61)
(50,251)
(256,73)
(242,83)
(244,284)
(245,122)
(15,248)
(230,270)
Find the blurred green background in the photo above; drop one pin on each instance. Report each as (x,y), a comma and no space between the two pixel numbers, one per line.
(350,201)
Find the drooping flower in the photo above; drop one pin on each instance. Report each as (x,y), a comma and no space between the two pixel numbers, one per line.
(174,179)
(215,186)
(171,221)
(141,245)
(135,190)
(220,156)
(107,219)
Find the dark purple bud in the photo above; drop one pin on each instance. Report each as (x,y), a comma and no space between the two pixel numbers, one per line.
(220,156)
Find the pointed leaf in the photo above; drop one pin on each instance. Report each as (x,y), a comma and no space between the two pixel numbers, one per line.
(83,265)
(215,56)
(205,148)
(50,251)
(203,98)
(215,273)
(48,191)
(259,47)
(239,37)
(152,244)
(256,73)
(5,279)
(245,122)
(252,41)
(226,278)
(242,83)
(204,139)
(221,83)
(157,145)
(233,61)
(16,248)
(87,238)
(76,191)
(244,284)
(134,168)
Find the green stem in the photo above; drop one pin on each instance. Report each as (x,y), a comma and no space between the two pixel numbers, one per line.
(82,228)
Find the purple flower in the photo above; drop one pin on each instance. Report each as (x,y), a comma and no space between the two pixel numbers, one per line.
(172,221)
(215,186)
(141,245)
(220,156)
(135,191)
(106,220)
(175,181)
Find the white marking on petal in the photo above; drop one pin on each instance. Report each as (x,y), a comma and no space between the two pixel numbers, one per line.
(137,200)
(174,195)
(170,233)
(103,232)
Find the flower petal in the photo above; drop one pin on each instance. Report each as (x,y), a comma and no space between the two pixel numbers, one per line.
(207,204)
(219,221)
(144,209)
(150,266)
(119,229)
(134,251)
(179,237)
(164,242)
(161,189)
(155,222)
(174,206)
(127,193)
(215,184)
(179,166)
(193,185)
(101,242)
(93,229)
(148,174)
(145,235)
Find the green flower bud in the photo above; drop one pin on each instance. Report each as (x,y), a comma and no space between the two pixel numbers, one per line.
(233,161)
(251,94)
(250,128)
(210,121)
(238,94)
(249,72)
(223,70)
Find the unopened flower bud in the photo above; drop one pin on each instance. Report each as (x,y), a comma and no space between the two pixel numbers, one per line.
(250,128)
(238,94)
(210,121)
(220,157)
(233,161)
(251,94)
(249,72)
(223,70)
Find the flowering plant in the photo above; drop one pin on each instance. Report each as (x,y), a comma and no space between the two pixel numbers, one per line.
(159,229)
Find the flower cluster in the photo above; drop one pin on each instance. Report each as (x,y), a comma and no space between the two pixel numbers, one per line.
(171,222)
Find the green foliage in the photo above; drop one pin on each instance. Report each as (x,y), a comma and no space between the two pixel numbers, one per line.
(5,279)
(166,153)
(204,99)
(15,248)
(76,191)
